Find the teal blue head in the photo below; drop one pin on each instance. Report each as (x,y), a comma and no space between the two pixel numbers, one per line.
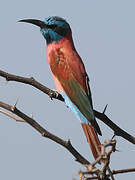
(52,28)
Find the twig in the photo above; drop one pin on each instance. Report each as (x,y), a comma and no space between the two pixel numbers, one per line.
(11,116)
(114,172)
(105,158)
(117,130)
(67,144)
(110,173)
(53,94)
(31,81)
(105,108)
(44,132)
(123,171)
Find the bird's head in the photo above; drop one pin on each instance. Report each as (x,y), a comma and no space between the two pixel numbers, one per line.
(52,28)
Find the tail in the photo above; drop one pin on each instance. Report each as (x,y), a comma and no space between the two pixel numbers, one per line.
(92,139)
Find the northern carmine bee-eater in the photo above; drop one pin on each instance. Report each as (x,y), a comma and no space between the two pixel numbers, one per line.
(69,74)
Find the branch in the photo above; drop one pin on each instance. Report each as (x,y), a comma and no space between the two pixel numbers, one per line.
(11,116)
(31,81)
(44,132)
(103,157)
(117,130)
(123,171)
(114,172)
(66,144)
(53,94)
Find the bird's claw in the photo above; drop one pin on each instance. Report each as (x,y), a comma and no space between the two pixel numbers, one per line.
(53,94)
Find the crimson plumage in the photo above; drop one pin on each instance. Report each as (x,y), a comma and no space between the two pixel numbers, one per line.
(70,75)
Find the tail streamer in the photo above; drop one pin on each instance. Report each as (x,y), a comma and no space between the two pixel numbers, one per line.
(92,139)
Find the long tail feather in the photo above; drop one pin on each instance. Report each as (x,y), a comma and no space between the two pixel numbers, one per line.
(92,139)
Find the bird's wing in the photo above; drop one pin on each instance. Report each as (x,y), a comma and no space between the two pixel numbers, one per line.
(70,72)
(88,89)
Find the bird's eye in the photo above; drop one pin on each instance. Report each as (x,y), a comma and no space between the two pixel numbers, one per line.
(57,29)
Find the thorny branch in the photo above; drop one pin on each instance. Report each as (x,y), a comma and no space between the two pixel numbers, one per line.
(91,169)
(44,132)
(104,156)
(114,172)
(54,94)
(11,116)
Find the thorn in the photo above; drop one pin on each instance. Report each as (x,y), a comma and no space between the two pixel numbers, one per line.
(113,136)
(51,95)
(31,76)
(43,134)
(31,115)
(14,106)
(105,109)
(68,142)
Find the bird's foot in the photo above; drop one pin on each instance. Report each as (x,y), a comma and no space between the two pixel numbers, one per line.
(53,94)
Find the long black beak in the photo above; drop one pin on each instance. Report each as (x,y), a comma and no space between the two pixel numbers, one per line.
(36,22)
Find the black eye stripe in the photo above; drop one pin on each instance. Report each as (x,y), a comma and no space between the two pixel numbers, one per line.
(51,26)
(60,30)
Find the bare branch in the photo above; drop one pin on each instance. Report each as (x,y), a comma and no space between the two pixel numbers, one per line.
(11,116)
(110,173)
(105,158)
(117,130)
(114,172)
(123,171)
(31,81)
(53,94)
(44,132)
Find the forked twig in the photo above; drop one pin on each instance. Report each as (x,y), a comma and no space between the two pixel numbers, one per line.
(104,158)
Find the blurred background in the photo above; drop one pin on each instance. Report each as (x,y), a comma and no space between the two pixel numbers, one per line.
(104,36)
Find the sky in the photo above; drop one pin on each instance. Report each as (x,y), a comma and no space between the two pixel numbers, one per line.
(104,36)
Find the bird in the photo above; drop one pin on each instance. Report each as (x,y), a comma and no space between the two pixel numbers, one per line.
(69,74)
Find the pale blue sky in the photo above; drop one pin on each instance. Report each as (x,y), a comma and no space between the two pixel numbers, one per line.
(104,35)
